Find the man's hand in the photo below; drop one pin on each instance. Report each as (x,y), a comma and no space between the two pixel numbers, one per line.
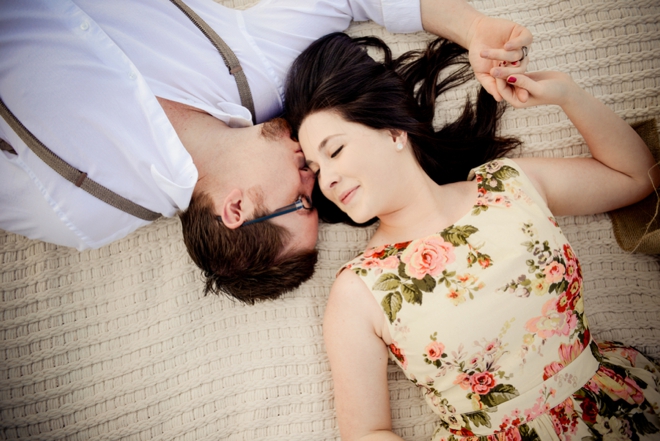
(496,51)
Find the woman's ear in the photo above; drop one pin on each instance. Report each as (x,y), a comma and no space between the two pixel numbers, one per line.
(399,136)
(233,209)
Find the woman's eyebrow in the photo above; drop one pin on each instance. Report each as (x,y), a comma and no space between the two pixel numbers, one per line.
(323,143)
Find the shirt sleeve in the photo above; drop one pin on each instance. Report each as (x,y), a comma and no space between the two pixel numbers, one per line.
(399,17)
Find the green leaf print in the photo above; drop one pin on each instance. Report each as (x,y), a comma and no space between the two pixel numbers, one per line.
(528,434)
(387,282)
(479,418)
(506,172)
(641,425)
(427,284)
(402,271)
(457,235)
(411,293)
(501,175)
(499,394)
(391,304)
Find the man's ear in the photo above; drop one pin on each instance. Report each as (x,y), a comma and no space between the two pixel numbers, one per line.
(233,209)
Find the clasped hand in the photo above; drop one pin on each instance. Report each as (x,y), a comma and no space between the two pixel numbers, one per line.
(496,52)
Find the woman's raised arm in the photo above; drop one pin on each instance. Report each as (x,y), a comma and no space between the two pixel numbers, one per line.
(621,171)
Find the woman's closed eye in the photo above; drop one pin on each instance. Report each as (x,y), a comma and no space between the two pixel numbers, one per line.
(336,152)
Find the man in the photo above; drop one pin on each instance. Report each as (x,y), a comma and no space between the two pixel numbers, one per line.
(136,97)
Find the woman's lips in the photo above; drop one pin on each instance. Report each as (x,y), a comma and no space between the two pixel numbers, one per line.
(346,196)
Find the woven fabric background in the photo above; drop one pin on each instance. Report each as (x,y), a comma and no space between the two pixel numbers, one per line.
(120,344)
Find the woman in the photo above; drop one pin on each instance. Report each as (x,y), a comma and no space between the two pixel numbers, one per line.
(469,285)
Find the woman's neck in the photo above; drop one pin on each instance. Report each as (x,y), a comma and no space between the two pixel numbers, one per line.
(428,211)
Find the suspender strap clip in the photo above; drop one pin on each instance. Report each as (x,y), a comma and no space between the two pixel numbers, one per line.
(6,147)
(80,179)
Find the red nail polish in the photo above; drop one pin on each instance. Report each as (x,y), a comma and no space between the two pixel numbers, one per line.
(515,63)
(511,80)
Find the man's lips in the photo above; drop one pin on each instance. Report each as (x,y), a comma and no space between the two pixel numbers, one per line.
(346,196)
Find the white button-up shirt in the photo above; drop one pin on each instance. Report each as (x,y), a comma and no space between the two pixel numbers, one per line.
(83,77)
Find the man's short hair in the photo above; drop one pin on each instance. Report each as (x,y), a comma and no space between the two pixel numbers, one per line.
(246,263)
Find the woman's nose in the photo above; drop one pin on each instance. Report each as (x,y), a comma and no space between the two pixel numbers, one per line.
(328,180)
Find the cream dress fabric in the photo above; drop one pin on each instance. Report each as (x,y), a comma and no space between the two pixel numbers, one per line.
(487,319)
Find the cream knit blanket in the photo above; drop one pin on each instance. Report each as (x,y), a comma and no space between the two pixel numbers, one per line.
(119,343)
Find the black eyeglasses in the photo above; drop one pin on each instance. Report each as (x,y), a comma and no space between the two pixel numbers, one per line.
(302,203)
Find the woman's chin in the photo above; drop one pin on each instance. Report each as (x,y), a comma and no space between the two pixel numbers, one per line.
(359,219)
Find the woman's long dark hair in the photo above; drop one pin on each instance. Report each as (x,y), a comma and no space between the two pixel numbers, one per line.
(336,73)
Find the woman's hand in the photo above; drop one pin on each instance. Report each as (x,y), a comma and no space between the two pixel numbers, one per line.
(539,87)
(621,169)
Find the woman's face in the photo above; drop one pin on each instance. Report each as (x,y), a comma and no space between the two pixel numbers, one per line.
(356,166)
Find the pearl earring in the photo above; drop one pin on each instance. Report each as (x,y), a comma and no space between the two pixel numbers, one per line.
(399,146)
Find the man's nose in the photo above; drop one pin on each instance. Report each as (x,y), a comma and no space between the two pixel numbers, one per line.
(308,179)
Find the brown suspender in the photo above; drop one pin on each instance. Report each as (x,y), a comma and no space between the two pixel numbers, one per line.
(79,178)
(71,174)
(227,54)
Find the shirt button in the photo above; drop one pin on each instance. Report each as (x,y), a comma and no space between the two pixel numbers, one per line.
(132,75)
(84,25)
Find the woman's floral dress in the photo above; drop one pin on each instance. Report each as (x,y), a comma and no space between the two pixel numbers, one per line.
(487,319)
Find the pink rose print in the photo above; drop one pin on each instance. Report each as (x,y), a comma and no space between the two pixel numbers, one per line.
(564,417)
(618,387)
(551,369)
(592,386)
(427,256)
(370,263)
(402,245)
(390,263)
(501,200)
(482,382)
(512,434)
(589,410)
(552,322)
(398,354)
(554,272)
(376,253)
(493,346)
(570,297)
(434,350)
(568,252)
(493,166)
(568,353)
(484,261)
(463,380)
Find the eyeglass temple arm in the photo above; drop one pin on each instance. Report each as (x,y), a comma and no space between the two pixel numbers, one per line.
(284,210)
